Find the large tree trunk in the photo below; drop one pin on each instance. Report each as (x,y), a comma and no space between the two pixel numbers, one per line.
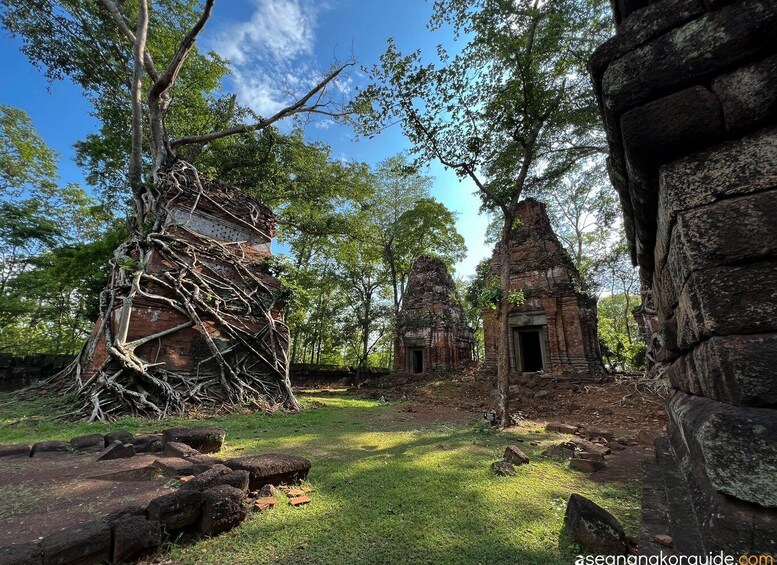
(503,330)
(192,316)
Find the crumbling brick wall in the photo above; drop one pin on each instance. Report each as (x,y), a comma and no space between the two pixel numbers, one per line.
(564,317)
(431,322)
(688,93)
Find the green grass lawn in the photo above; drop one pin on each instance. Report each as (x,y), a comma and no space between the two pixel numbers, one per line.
(388,488)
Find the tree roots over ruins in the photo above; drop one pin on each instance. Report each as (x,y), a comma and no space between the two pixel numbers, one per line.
(187,319)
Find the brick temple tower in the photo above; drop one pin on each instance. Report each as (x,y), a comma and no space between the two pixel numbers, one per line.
(555,331)
(433,334)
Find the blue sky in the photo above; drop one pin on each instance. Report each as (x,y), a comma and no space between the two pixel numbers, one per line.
(275,46)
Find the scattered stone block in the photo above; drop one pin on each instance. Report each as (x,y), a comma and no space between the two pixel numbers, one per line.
(299,500)
(134,537)
(205,440)
(597,432)
(21,554)
(116,450)
(581,445)
(586,465)
(219,475)
(265,503)
(176,449)
(268,491)
(49,447)
(15,450)
(271,469)
(223,510)
(85,543)
(147,443)
(177,509)
(119,435)
(176,467)
(503,468)
(295,492)
(647,437)
(593,527)
(515,455)
(92,442)
(665,540)
(561,428)
(539,395)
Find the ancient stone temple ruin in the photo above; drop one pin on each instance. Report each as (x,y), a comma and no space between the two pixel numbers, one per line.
(688,93)
(555,330)
(433,334)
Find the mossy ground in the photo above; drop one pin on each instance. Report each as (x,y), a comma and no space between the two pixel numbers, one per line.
(389,489)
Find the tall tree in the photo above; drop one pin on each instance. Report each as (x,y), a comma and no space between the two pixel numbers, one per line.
(137,53)
(408,222)
(584,212)
(511,111)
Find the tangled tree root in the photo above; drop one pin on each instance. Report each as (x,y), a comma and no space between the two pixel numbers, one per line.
(188,319)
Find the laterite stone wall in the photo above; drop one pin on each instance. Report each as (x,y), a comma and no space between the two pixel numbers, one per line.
(688,95)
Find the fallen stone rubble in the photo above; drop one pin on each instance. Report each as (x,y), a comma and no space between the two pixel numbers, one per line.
(214,496)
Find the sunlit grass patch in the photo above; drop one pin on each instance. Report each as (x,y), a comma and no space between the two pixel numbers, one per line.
(388,488)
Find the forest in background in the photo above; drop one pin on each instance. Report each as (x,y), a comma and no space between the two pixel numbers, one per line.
(352,231)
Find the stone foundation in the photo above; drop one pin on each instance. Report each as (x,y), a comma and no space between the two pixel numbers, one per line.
(688,93)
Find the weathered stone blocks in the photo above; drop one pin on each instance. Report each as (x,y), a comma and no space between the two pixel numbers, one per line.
(666,128)
(82,544)
(204,440)
(690,53)
(177,509)
(749,94)
(218,475)
(223,510)
(134,537)
(729,231)
(713,302)
(21,554)
(740,369)
(593,527)
(89,443)
(271,468)
(15,450)
(737,446)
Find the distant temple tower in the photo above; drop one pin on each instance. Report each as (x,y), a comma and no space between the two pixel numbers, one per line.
(555,331)
(432,333)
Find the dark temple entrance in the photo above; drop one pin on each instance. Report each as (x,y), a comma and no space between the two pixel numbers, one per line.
(531,351)
(417,360)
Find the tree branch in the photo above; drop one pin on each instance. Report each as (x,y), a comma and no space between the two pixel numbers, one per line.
(298,107)
(136,157)
(117,16)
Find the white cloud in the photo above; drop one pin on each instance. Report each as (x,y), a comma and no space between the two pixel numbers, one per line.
(272,53)
(278,29)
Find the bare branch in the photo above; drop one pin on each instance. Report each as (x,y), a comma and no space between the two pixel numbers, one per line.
(299,107)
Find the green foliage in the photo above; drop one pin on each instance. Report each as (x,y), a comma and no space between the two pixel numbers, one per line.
(79,40)
(622,344)
(25,160)
(55,243)
(512,109)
